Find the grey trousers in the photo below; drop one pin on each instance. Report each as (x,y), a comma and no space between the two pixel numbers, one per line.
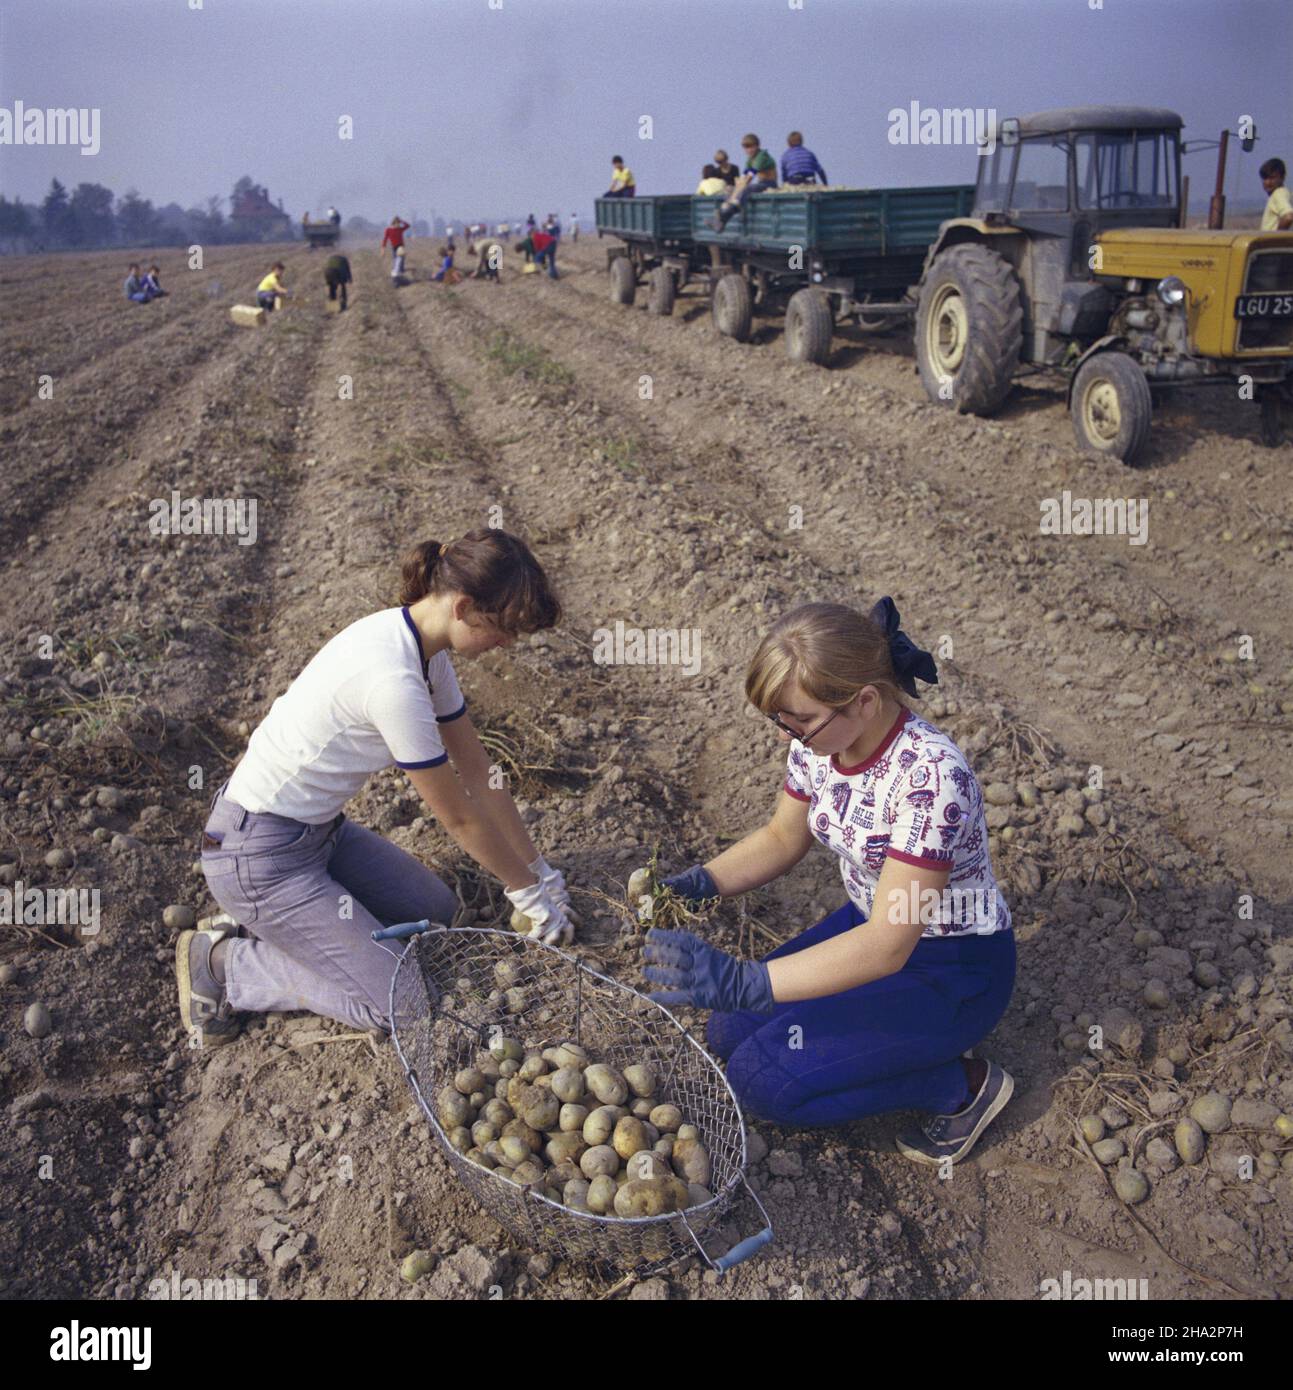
(311,895)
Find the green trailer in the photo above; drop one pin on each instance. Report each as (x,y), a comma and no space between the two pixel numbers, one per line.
(821,254)
(656,246)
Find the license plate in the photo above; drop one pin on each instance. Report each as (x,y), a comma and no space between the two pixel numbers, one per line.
(1264,306)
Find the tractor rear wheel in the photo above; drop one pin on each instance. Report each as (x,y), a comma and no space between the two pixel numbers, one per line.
(662,292)
(624,281)
(969,329)
(1111,406)
(733,307)
(808,326)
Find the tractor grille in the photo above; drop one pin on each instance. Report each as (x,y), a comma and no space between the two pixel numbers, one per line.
(1270,271)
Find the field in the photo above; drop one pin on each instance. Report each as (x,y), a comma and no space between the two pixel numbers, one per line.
(660,472)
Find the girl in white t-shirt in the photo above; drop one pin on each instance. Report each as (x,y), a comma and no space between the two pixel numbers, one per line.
(307,886)
(874,1008)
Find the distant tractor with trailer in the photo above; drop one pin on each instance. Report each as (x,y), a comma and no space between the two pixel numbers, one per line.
(1074,262)
(820,255)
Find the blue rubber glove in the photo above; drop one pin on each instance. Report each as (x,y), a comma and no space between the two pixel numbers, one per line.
(694,884)
(706,978)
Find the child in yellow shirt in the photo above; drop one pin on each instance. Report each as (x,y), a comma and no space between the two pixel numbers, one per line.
(271,288)
(1278,216)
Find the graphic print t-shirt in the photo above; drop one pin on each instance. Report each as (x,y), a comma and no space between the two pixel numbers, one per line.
(916,800)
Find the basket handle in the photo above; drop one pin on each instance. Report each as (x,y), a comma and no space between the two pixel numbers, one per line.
(402,929)
(751,1245)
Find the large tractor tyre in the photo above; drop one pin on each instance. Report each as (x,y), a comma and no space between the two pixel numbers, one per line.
(1111,406)
(808,326)
(624,281)
(733,307)
(969,329)
(662,292)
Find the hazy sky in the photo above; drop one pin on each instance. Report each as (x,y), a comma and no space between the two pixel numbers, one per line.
(482,107)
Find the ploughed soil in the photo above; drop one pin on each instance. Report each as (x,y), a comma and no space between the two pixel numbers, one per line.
(1128,703)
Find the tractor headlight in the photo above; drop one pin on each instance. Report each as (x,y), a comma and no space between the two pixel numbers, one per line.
(1171,290)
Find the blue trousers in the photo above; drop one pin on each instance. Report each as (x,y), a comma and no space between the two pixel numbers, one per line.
(892,1044)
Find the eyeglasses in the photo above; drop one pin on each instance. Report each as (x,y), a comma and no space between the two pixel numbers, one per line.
(794,733)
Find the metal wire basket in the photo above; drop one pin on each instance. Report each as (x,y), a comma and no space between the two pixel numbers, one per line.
(456,989)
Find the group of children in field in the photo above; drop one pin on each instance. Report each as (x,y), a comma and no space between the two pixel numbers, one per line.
(142,289)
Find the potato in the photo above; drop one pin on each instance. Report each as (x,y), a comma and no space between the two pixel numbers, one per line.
(639,884)
(508,1069)
(469,1079)
(521,1130)
(496,1112)
(697,1196)
(504,1171)
(688,1132)
(600,1125)
(520,922)
(506,1050)
(533,1066)
(460,1138)
(606,1084)
(641,1078)
(507,973)
(452,1108)
(564,1146)
(572,1117)
(564,1171)
(652,1134)
(578,1204)
(568,1054)
(528,1174)
(576,1188)
(601,1194)
(515,1150)
(480,1157)
(645,1164)
(642,1107)
(539,1108)
(650,1197)
(544,1082)
(601,1160)
(568,1084)
(494,1152)
(666,1118)
(664,1145)
(629,1137)
(516,1000)
(478,1098)
(691,1161)
(482,1132)
(487,1067)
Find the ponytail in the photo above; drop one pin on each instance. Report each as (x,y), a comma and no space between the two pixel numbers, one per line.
(495,570)
(418,571)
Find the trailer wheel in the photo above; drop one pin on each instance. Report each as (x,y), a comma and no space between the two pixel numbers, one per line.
(663,290)
(969,329)
(808,326)
(733,308)
(1111,406)
(624,281)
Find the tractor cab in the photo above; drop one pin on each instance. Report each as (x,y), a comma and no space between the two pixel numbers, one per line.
(1070,174)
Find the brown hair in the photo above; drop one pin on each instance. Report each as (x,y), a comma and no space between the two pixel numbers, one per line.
(495,570)
(829,650)
(794,138)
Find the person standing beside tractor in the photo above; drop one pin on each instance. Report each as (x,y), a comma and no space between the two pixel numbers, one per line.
(336,275)
(1278,214)
(541,247)
(271,289)
(799,165)
(393,236)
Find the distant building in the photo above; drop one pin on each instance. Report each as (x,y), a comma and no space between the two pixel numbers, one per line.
(255,218)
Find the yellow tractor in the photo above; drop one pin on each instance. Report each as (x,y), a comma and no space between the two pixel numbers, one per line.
(1074,263)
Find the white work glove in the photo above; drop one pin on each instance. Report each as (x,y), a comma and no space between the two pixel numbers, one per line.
(551,925)
(554,884)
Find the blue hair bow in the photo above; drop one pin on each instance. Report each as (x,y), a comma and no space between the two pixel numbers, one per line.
(909,660)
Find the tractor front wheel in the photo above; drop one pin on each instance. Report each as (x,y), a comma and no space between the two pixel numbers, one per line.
(1111,406)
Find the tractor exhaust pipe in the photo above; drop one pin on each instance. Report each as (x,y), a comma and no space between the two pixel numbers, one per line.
(1217,205)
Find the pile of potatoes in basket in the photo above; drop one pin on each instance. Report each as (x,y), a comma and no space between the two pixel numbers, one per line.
(578,1131)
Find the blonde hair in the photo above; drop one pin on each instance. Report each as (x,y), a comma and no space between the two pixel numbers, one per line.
(829,650)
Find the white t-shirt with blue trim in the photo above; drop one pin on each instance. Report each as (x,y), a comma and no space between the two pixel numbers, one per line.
(915,799)
(366,700)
